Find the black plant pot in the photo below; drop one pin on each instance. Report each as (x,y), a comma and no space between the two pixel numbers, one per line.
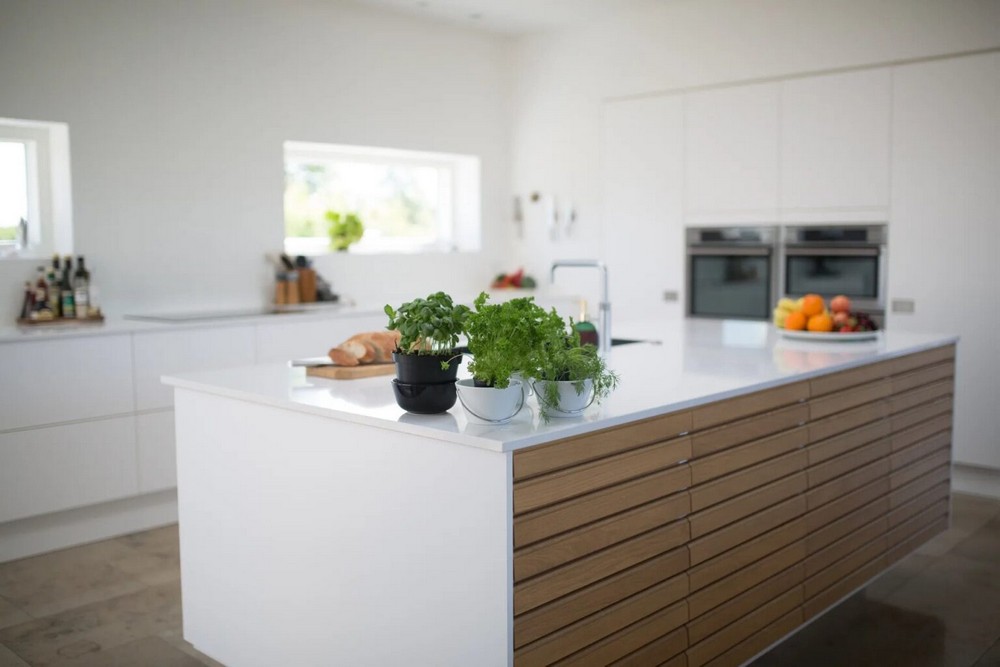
(425,399)
(426,368)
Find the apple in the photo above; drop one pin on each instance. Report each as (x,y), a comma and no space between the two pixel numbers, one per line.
(840,304)
(841,319)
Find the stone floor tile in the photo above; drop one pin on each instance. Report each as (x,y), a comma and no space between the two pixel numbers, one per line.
(154,557)
(9,659)
(145,652)
(54,582)
(98,626)
(991,658)
(900,573)
(10,614)
(983,544)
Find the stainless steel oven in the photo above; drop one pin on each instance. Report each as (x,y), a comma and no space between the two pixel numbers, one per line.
(731,272)
(832,260)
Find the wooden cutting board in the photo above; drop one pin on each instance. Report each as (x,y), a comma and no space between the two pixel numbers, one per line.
(351,372)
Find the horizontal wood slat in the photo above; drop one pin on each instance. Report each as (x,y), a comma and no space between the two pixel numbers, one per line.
(904,476)
(918,522)
(910,362)
(910,491)
(843,567)
(819,603)
(724,488)
(836,468)
(555,519)
(841,550)
(557,614)
(855,479)
(742,506)
(551,553)
(745,530)
(910,436)
(915,397)
(922,376)
(731,586)
(603,624)
(827,384)
(849,398)
(823,535)
(580,449)
(741,431)
(712,570)
(847,420)
(672,644)
(551,585)
(631,638)
(918,504)
(744,456)
(872,493)
(759,641)
(908,545)
(731,409)
(845,442)
(924,448)
(905,419)
(579,480)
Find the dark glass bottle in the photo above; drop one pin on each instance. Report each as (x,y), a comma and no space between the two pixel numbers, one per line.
(81,290)
(66,289)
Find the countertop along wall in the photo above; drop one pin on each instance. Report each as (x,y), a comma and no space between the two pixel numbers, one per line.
(177,112)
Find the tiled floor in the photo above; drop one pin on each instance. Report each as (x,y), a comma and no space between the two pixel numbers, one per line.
(117,604)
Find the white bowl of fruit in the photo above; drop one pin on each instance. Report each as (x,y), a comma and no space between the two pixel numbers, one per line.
(810,317)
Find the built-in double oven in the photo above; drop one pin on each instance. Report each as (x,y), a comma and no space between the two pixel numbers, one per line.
(741,272)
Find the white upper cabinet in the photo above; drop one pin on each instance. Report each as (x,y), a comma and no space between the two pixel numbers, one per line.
(731,155)
(835,147)
(642,165)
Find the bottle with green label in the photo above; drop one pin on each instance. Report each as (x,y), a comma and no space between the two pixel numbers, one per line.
(586,328)
(81,290)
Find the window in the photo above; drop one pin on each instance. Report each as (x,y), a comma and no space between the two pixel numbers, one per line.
(408,201)
(35,199)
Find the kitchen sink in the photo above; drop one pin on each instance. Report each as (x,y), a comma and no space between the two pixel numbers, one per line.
(615,342)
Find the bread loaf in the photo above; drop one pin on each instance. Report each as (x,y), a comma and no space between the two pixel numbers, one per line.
(366,348)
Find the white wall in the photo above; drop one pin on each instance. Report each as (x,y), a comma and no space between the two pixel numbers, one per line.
(177,112)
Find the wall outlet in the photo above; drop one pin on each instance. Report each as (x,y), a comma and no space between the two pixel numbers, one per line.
(670,295)
(903,306)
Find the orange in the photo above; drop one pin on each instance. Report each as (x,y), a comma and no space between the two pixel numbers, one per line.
(821,322)
(812,304)
(797,320)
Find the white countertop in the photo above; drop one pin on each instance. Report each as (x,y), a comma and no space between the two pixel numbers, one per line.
(697,362)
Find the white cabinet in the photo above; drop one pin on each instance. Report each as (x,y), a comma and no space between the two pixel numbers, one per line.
(164,352)
(835,147)
(61,380)
(290,339)
(731,155)
(642,149)
(60,467)
(945,230)
(155,451)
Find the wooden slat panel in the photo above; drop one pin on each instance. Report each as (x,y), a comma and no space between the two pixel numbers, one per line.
(710,571)
(700,602)
(921,502)
(701,653)
(915,524)
(750,647)
(910,544)
(826,384)
(631,638)
(743,531)
(840,466)
(925,394)
(580,449)
(912,361)
(847,546)
(551,585)
(566,610)
(608,621)
(672,645)
(914,434)
(834,594)
(742,506)
(845,442)
(578,480)
(744,456)
(735,433)
(919,468)
(922,376)
(913,416)
(724,488)
(849,398)
(551,553)
(701,627)
(855,479)
(843,568)
(868,511)
(731,409)
(905,457)
(910,491)
(540,524)
(847,420)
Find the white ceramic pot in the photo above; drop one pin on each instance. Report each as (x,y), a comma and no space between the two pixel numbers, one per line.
(570,401)
(491,404)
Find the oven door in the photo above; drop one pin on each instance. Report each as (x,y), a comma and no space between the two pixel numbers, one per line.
(854,272)
(731,282)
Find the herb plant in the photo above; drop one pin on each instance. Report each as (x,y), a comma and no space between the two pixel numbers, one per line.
(565,359)
(430,326)
(507,338)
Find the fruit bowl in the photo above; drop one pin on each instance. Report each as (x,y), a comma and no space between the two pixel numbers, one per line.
(809,318)
(835,336)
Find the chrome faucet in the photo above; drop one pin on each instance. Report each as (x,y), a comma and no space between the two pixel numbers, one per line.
(604,332)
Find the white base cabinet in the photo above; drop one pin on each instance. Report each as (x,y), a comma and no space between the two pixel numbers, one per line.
(156,454)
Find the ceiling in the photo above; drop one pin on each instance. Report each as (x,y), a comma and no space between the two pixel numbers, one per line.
(512,17)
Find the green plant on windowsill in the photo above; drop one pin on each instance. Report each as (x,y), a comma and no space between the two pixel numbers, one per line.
(344,229)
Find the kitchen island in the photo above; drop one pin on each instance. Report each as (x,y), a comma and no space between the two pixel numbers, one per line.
(735,486)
